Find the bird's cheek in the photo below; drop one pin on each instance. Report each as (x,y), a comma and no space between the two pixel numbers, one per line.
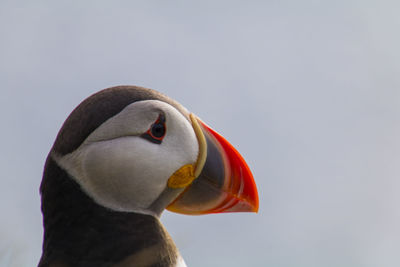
(119,174)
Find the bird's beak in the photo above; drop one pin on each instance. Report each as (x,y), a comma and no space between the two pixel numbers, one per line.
(223,181)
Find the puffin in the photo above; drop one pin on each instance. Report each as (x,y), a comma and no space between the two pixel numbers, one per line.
(123,156)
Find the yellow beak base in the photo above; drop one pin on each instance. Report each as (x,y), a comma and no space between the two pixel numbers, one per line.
(182,177)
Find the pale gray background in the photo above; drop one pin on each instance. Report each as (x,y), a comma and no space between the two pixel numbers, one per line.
(308,91)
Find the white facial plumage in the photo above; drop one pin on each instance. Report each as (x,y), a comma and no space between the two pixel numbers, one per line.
(123,171)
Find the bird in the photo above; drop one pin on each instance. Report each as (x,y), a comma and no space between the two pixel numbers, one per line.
(123,156)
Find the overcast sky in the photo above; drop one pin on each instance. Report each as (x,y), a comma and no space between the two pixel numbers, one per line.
(308,91)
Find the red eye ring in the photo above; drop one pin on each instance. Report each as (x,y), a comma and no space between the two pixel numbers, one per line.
(157,130)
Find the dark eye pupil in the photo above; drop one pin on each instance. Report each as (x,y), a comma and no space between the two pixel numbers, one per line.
(158,130)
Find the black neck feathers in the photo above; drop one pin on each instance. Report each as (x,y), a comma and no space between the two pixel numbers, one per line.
(78,232)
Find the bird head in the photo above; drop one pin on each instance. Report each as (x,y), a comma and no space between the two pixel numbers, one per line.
(132,149)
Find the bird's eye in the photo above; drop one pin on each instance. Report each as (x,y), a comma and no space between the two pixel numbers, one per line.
(157,131)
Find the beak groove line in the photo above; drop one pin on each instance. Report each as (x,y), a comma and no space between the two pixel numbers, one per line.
(201,158)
